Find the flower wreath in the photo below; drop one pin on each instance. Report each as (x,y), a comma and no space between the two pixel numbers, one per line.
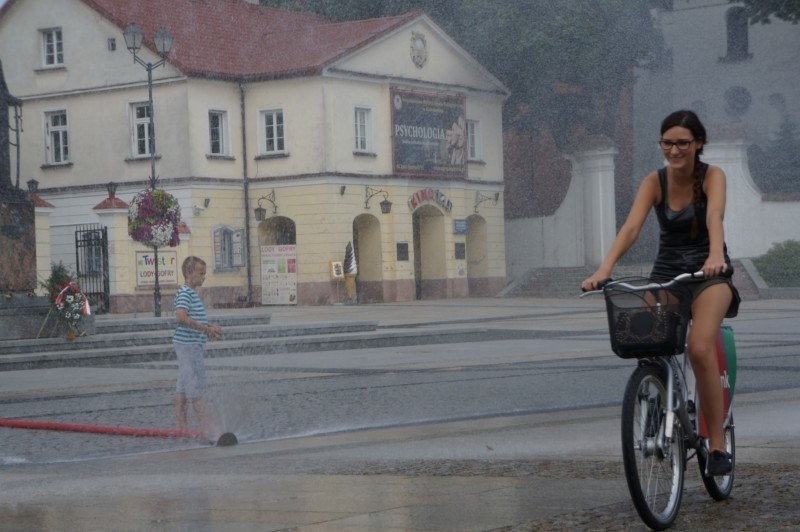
(153,218)
(72,305)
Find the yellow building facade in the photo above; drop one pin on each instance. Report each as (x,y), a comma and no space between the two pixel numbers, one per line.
(384,135)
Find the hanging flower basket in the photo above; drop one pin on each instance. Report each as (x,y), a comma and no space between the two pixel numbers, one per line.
(153,218)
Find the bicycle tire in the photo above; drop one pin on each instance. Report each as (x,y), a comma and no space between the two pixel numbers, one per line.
(720,487)
(654,475)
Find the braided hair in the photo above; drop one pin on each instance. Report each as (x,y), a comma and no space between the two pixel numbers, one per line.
(689,120)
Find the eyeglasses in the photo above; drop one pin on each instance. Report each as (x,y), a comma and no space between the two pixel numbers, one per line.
(682,144)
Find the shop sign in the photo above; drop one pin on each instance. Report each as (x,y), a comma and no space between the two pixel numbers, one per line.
(168,269)
(429,134)
(279,275)
(430,194)
(460,227)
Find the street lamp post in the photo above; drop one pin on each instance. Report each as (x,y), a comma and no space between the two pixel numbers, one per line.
(163,41)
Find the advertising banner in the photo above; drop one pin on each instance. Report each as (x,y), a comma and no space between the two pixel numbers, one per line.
(168,268)
(279,275)
(429,134)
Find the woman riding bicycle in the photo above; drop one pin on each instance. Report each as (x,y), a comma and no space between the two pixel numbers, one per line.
(688,197)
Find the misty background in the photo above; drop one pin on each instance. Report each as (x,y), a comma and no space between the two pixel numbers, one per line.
(571,66)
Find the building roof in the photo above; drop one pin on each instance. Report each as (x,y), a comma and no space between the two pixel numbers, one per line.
(241,41)
(235,39)
(38,202)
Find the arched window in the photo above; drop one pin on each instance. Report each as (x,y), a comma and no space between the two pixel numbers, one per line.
(736,22)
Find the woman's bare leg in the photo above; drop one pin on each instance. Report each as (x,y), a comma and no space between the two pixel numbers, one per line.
(708,311)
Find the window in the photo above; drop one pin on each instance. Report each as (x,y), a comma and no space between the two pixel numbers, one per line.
(473,141)
(218,132)
(363,130)
(228,248)
(52,47)
(57,141)
(274,136)
(736,23)
(142,132)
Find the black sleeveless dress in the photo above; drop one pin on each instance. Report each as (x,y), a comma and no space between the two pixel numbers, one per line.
(681,252)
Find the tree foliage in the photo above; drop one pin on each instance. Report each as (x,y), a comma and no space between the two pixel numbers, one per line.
(762,11)
(533,46)
(776,167)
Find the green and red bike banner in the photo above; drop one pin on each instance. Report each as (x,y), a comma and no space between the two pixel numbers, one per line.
(726,359)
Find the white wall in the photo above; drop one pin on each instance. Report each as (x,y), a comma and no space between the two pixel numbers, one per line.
(581,230)
(752,225)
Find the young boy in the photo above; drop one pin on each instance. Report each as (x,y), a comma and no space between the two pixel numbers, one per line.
(189,342)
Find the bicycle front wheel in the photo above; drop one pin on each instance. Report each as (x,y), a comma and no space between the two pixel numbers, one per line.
(654,465)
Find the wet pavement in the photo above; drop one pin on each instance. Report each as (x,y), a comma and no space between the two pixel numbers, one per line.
(541,470)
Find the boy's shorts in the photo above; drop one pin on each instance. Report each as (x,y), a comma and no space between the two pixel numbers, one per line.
(191,370)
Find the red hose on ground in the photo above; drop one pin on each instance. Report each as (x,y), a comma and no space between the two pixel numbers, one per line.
(99,429)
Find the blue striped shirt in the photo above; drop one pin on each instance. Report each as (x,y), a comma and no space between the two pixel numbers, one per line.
(187,299)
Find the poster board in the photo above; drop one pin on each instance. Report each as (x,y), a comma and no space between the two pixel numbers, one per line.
(279,275)
(429,134)
(168,268)
(337,270)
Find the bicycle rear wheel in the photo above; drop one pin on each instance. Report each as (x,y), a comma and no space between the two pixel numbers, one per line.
(720,487)
(654,468)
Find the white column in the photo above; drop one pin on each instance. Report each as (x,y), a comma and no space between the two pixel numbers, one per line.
(44,255)
(120,276)
(593,167)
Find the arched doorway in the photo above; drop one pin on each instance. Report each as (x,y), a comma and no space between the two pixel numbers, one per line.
(277,231)
(430,274)
(277,238)
(368,250)
(477,257)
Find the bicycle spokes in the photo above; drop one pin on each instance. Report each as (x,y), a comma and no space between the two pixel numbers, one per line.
(653,460)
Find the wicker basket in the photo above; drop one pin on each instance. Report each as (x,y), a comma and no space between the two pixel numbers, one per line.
(647,322)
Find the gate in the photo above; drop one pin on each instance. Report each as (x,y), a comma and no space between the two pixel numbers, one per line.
(91,259)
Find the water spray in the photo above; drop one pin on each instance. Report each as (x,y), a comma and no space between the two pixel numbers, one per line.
(225,440)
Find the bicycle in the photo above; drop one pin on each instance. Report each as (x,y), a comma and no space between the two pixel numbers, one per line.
(661,418)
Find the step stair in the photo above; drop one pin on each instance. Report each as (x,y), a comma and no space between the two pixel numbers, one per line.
(564,283)
(135,340)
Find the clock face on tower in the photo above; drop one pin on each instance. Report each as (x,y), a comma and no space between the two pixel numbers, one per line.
(419,49)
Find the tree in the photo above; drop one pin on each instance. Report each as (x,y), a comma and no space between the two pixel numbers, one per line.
(776,168)
(761,11)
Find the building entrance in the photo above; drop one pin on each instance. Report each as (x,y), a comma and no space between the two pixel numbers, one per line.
(477,257)
(430,275)
(367,244)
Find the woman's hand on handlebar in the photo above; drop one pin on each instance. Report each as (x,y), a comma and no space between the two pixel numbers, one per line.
(714,266)
(595,282)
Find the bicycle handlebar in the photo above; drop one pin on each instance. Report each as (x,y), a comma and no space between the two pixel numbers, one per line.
(651,286)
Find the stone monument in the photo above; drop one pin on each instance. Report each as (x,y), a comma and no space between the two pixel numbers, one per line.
(21,312)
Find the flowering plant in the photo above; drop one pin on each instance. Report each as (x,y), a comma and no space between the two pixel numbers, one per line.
(72,305)
(153,218)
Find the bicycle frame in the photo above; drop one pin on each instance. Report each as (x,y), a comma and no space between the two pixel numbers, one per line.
(678,395)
